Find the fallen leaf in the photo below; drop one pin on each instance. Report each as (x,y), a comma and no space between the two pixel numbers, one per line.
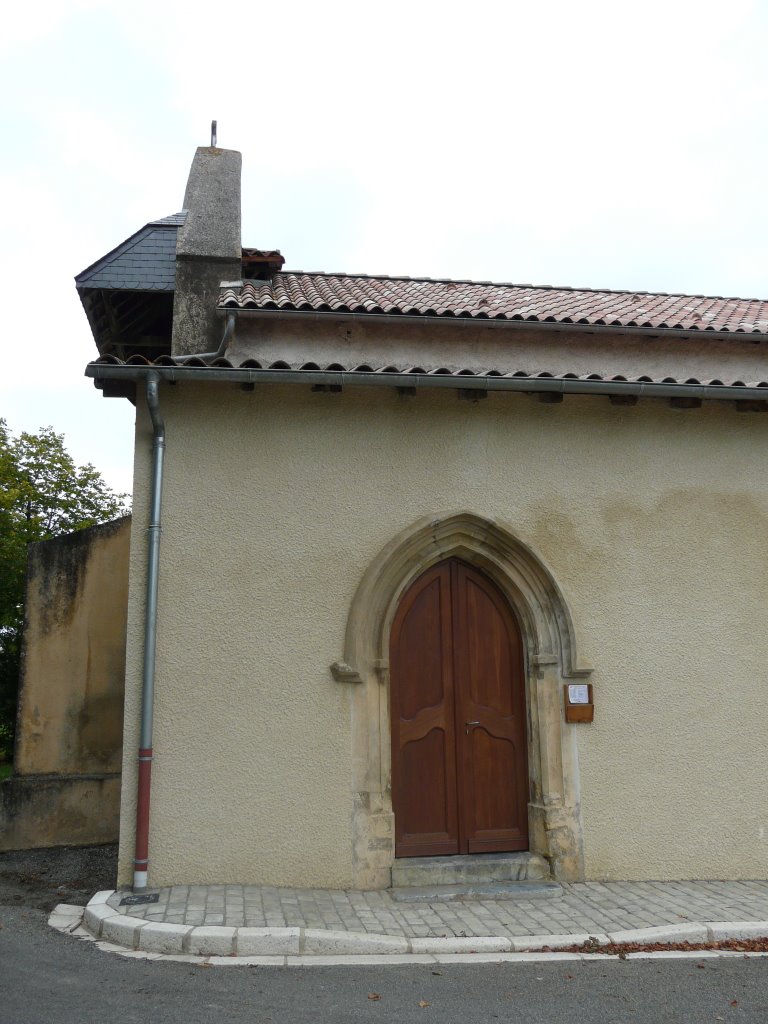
(374,996)
(700,966)
(422,1003)
(734,1002)
(437,972)
(569,977)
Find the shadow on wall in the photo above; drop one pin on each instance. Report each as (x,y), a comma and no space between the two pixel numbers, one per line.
(65,789)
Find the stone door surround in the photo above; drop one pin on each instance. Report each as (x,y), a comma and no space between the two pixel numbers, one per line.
(551,658)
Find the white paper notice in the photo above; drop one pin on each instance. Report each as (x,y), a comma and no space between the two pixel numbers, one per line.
(578,693)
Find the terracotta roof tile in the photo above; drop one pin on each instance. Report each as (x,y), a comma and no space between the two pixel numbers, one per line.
(404,296)
(351,371)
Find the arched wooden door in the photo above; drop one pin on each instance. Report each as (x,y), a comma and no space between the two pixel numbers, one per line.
(459,752)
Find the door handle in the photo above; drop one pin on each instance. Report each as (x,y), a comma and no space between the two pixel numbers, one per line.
(468,724)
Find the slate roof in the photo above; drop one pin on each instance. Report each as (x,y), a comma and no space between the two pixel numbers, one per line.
(174,220)
(482,300)
(144,262)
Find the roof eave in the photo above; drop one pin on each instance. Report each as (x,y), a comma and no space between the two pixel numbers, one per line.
(339,379)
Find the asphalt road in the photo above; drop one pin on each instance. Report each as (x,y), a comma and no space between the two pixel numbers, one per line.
(49,978)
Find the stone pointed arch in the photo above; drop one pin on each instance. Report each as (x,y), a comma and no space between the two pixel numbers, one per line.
(551,658)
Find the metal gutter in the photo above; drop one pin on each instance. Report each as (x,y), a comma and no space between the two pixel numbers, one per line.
(390,319)
(429,381)
(141,861)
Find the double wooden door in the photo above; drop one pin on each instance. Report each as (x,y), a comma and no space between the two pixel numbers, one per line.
(459,756)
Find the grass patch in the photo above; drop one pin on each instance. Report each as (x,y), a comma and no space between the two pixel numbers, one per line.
(5,771)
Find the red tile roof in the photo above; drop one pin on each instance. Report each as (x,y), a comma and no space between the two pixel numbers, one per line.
(424,297)
(460,376)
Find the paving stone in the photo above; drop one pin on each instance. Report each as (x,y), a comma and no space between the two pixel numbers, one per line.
(210,940)
(64,922)
(522,943)
(327,942)
(247,961)
(267,941)
(719,930)
(664,933)
(122,930)
(587,908)
(95,915)
(481,958)
(163,938)
(102,896)
(476,944)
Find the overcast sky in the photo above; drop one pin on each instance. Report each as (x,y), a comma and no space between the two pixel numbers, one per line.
(593,144)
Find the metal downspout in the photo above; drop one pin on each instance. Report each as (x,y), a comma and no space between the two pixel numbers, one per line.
(229,330)
(141,861)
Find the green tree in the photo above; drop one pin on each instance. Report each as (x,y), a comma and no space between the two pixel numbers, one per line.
(43,494)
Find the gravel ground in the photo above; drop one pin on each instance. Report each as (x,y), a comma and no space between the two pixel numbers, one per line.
(59,874)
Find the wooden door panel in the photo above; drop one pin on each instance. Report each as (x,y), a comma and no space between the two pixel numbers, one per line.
(494,819)
(493,758)
(489,654)
(421,649)
(425,814)
(459,752)
(424,791)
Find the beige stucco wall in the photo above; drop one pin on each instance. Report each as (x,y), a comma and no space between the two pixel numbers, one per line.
(71,698)
(653,521)
(67,760)
(508,348)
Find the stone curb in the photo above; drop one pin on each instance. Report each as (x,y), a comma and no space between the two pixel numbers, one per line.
(229,945)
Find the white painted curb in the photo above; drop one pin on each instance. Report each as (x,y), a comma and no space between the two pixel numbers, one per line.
(133,936)
(664,933)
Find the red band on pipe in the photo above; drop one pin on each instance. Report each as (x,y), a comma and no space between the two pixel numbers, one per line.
(142,808)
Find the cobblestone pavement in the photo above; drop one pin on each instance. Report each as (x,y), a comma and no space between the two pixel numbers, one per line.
(590,907)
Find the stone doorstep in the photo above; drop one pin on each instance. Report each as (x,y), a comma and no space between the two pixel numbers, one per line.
(102,922)
(472,869)
(523,890)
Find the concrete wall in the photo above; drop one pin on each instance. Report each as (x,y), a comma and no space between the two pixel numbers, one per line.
(653,521)
(58,810)
(68,753)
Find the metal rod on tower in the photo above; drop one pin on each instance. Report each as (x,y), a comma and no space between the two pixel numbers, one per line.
(213,134)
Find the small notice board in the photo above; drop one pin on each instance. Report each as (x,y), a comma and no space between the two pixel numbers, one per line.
(579,706)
